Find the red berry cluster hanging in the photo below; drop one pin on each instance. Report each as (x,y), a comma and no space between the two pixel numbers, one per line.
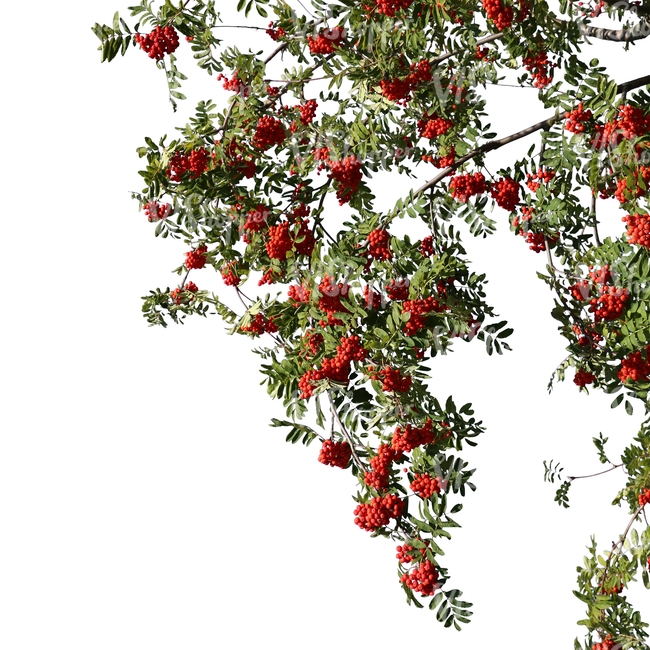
(434,126)
(407,438)
(196,259)
(638,229)
(499,13)
(381,465)
(644,497)
(161,41)
(379,245)
(388,7)
(399,89)
(177,294)
(196,163)
(308,111)
(229,274)
(392,379)
(403,554)
(378,512)
(398,289)
(465,186)
(423,578)
(335,454)
(540,68)
(425,485)
(275,33)
(610,304)
(578,120)
(268,133)
(635,367)
(155,211)
(506,193)
(327,41)
(347,174)
(419,310)
(426,246)
(583,378)
(259,325)
(625,193)
(533,181)
(606,644)
(372,298)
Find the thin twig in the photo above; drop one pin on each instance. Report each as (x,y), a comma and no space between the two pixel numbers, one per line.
(345,432)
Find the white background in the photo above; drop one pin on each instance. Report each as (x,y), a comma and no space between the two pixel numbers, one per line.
(144,501)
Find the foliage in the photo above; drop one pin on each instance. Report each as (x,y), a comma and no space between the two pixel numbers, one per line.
(281,188)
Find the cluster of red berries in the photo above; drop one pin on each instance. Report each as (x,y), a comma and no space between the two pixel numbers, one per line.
(372,299)
(378,512)
(578,120)
(398,289)
(330,299)
(425,485)
(197,258)
(442,161)
(500,14)
(607,643)
(541,176)
(327,40)
(399,90)
(335,368)
(275,34)
(587,335)
(392,380)
(644,497)
(196,162)
(229,274)
(536,241)
(312,341)
(610,304)
(335,454)
(177,294)
(161,41)
(268,133)
(403,554)
(379,245)
(308,111)
(155,211)
(235,85)
(506,193)
(638,229)
(347,174)
(389,7)
(583,378)
(465,186)
(281,240)
(256,219)
(419,310)
(406,439)
(434,126)
(423,578)
(426,246)
(259,325)
(381,464)
(635,367)
(540,68)
(629,123)
(625,193)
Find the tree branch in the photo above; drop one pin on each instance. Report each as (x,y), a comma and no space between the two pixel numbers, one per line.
(640,31)
(497,144)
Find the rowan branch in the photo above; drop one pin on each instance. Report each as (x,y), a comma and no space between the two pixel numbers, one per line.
(497,144)
(640,31)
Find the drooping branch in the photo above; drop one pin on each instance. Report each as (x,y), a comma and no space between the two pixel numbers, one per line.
(497,144)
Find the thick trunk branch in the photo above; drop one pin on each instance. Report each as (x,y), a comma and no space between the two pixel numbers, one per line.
(638,32)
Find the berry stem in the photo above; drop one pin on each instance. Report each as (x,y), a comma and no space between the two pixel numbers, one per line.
(345,432)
